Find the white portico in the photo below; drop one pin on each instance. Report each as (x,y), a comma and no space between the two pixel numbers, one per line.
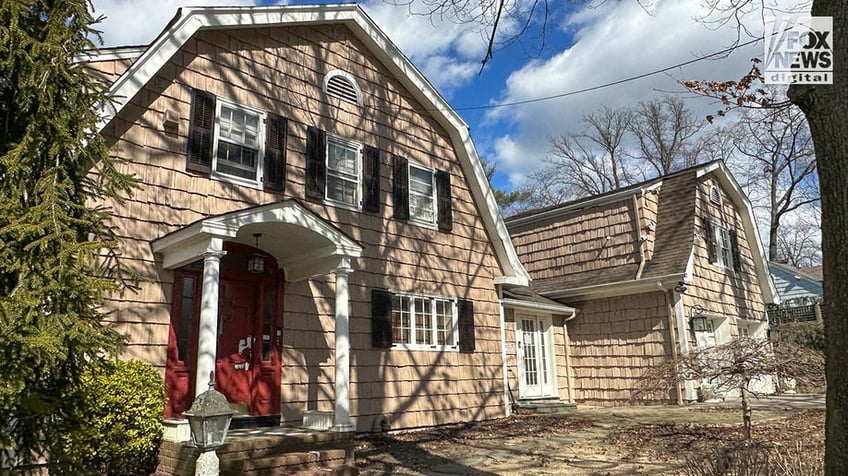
(303,245)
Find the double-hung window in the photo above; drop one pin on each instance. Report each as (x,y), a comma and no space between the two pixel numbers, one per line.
(422,195)
(722,245)
(235,143)
(343,170)
(239,144)
(421,322)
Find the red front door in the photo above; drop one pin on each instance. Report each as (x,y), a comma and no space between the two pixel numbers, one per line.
(235,364)
(247,367)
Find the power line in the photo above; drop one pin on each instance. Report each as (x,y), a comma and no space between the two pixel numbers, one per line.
(613,83)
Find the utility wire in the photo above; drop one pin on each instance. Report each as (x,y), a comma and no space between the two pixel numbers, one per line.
(613,83)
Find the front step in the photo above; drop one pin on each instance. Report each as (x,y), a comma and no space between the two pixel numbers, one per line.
(268,452)
(545,407)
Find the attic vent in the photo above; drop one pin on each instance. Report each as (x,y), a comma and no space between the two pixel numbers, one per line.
(715,196)
(342,85)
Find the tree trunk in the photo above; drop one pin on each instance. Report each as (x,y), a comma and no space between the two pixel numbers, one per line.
(746,411)
(825,106)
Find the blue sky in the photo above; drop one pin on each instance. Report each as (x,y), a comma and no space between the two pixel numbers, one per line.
(585,47)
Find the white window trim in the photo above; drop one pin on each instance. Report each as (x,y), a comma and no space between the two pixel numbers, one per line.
(416,220)
(357,205)
(435,347)
(260,135)
(718,230)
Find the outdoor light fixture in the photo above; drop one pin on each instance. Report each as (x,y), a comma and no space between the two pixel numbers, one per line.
(209,418)
(697,318)
(256,261)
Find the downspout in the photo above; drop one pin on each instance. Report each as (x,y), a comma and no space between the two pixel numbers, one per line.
(640,242)
(671,338)
(507,406)
(683,339)
(569,375)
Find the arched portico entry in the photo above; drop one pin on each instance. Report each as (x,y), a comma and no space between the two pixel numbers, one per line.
(229,320)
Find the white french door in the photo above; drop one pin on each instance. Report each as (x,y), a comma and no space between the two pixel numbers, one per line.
(534,341)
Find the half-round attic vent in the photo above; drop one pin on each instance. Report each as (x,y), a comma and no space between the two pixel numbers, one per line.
(341,85)
(715,196)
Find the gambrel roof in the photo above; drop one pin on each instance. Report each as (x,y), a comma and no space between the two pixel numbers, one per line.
(190,20)
(673,244)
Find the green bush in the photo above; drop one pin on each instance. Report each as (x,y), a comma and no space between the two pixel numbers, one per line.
(119,422)
(804,334)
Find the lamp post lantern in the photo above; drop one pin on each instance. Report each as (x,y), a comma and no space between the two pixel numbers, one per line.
(209,419)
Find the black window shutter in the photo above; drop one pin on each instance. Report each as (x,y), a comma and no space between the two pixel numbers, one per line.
(275,153)
(734,251)
(709,239)
(316,166)
(466,326)
(445,200)
(381,319)
(200,132)
(371,180)
(400,188)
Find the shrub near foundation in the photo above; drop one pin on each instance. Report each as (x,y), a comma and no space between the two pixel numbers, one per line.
(121,405)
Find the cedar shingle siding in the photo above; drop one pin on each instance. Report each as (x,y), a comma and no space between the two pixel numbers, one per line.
(280,70)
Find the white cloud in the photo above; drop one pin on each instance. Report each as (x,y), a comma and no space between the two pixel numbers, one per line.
(131,22)
(614,41)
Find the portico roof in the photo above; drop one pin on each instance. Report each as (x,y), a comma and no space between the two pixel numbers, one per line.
(303,244)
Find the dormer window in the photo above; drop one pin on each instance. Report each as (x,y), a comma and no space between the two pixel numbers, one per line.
(342,85)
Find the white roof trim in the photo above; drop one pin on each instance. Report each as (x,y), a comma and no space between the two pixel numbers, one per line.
(189,243)
(190,20)
(620,288)
(110,54)
(554,308)
(746,212)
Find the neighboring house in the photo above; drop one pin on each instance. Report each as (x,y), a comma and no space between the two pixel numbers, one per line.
(313,224)
(800,291)
(641,265)
(794,283)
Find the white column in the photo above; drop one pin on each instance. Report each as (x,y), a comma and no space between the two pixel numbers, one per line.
(689,393)
(207,332)
(341,416)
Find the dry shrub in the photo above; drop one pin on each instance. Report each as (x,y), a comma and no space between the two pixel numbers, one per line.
(755,459)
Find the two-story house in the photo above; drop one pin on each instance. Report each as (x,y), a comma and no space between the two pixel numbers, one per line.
(654,270)
(313,224)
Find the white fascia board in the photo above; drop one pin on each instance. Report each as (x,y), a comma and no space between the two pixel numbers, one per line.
(538,306)
(746,211)
(623,288)
(110,54)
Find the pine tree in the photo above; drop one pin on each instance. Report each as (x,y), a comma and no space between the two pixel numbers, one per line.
(57,258)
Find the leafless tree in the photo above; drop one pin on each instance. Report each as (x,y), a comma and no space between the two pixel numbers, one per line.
(583,164)
(733,366)
(776,165)
(799,243)
(666,132)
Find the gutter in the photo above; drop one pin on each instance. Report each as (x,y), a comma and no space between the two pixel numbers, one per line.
(659,283)
(538,306)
